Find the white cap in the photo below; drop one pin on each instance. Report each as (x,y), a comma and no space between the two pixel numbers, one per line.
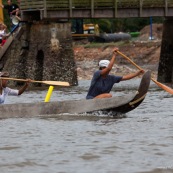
(104,63)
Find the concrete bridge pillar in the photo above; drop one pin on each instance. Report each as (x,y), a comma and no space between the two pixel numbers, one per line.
(165,70)
(43,52)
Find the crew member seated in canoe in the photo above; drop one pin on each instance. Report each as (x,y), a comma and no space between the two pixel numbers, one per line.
(5,91)
(102,82)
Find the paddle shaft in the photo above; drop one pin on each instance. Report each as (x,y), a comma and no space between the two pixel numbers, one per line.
(166,88)
(129,60)
(34,81)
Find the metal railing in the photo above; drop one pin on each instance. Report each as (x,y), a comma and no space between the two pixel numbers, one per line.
(93,5)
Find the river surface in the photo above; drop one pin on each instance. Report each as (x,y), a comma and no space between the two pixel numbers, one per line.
(140,141)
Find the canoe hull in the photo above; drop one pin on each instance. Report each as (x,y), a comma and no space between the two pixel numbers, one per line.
(120,104)
(63,107)
(139,97)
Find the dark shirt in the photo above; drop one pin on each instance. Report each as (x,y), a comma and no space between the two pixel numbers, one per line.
(10,8)
(100,85)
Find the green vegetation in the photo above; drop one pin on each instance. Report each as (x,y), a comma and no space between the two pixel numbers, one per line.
(102,45)
(123,25)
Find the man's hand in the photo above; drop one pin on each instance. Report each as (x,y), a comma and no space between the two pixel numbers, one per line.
(140,72)
(115,50)
(28,82)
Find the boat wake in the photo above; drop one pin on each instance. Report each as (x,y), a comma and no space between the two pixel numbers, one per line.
(104,113)
(86,116)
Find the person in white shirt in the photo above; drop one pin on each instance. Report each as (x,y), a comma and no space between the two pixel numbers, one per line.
(3,28)
(5,91)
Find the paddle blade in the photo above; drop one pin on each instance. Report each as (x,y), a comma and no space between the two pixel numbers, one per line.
(44,82)
(164,87)
(55,83)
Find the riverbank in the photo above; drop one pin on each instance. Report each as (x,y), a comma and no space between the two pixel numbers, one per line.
(146,54)
(143,51)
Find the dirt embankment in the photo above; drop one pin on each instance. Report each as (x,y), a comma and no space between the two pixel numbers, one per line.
(143,51)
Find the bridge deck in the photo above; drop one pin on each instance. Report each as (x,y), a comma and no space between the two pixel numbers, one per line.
(99,8)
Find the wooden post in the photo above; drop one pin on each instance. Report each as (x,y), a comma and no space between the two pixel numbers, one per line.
(115,8)
(70,8)
(92,8)
(166,7)
(45,8)
(140,10)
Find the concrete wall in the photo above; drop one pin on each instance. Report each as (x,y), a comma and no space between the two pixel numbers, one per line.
(42,52)
(165,70)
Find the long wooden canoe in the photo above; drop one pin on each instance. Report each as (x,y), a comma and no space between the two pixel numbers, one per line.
(117,104)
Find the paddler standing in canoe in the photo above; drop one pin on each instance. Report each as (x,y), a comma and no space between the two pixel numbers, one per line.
(102,82)
(5,91)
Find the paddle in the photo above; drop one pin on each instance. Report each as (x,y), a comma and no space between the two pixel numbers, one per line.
(43,82)
(164,87)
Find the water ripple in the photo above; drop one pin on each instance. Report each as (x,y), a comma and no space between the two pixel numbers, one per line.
(140,141)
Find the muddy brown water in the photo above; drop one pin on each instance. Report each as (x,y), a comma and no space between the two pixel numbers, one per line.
(140,141)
